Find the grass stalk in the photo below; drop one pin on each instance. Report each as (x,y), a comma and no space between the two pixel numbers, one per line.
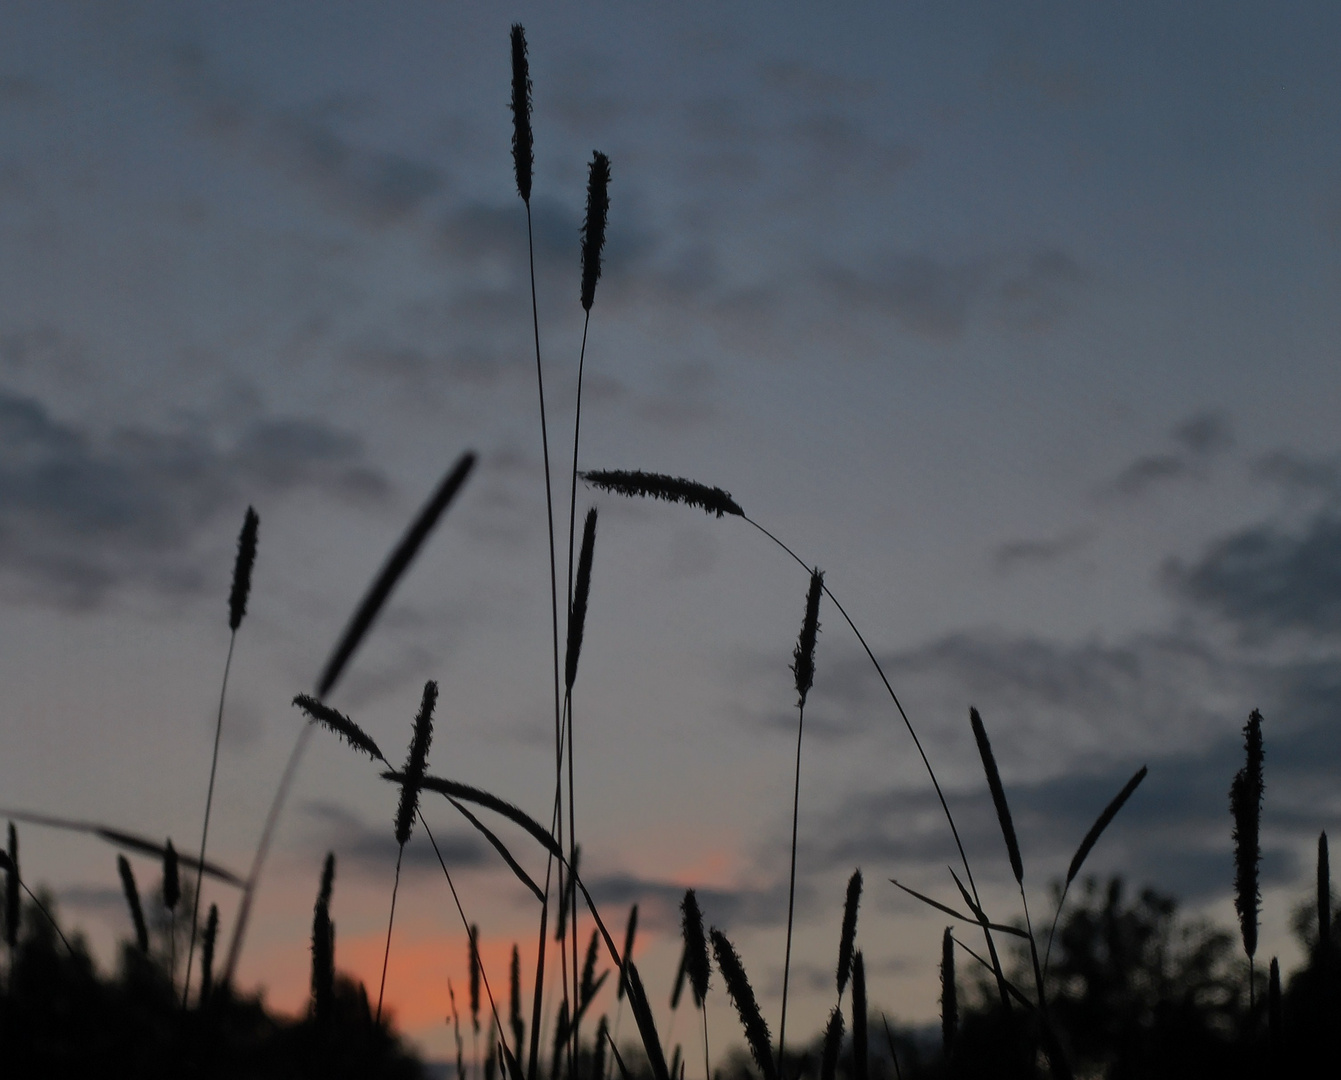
(803,667)
(237,608)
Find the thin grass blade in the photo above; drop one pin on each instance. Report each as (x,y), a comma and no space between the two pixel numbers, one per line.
(1102,822)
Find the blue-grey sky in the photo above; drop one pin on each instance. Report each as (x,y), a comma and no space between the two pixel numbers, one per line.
(1020,321)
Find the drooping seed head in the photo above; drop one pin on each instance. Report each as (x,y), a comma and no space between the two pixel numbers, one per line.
(1245,804)
(634,483)
(415,761)
(246,557)
(172,886)
(803,658)
(339,723)
(849,933)
(577,616)
(697,965)
(523,154)
(593,226)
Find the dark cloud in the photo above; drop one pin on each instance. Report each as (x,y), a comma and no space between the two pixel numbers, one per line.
(19,90)
(1020,553)
(1300,473)
(1147,472)
(938,298)
(659,901)
(81,515)
(1204,433)
(376,186)
(1196,439)
(372,848)
(1266,580)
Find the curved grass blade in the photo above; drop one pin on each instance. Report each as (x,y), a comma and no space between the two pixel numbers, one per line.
(959,914)
(453,790)
(502,850)
(396,565)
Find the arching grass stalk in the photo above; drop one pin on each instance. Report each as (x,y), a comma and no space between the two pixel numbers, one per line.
(397,563)
(13,883)
(803,667)
(237,608)
(714,500)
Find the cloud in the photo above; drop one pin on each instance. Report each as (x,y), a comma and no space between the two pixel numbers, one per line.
(373,848)
(1021,553)
(81,515)
(1266,581)
(1204,433)
(939,298)
(659,900)
(377,187)
(1196,439)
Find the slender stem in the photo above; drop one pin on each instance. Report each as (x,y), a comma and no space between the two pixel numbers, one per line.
(893,696)
(968,871)
(572,885)
(43,909)
(263,849)
(1047,955)
(791,893)
(205,831)
(386,955)
(707,1069)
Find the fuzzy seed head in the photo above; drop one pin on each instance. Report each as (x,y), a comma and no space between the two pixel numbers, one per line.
(1245,804)
(803,658)
(523,154)
(697,965)
(246,557)
(593,226)
(415,761)
(172,886)
(635,483)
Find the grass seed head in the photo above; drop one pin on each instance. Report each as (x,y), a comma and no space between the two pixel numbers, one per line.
(593,226)
(339,723)
(577,615)
(523,154)
(415,761)
(246,557)
(998,794)
(849,934)
(803,658)
(172,886)
(697,965)
(1245,804)
(634,483)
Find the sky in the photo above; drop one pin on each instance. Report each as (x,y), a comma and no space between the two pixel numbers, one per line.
(1019,321)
